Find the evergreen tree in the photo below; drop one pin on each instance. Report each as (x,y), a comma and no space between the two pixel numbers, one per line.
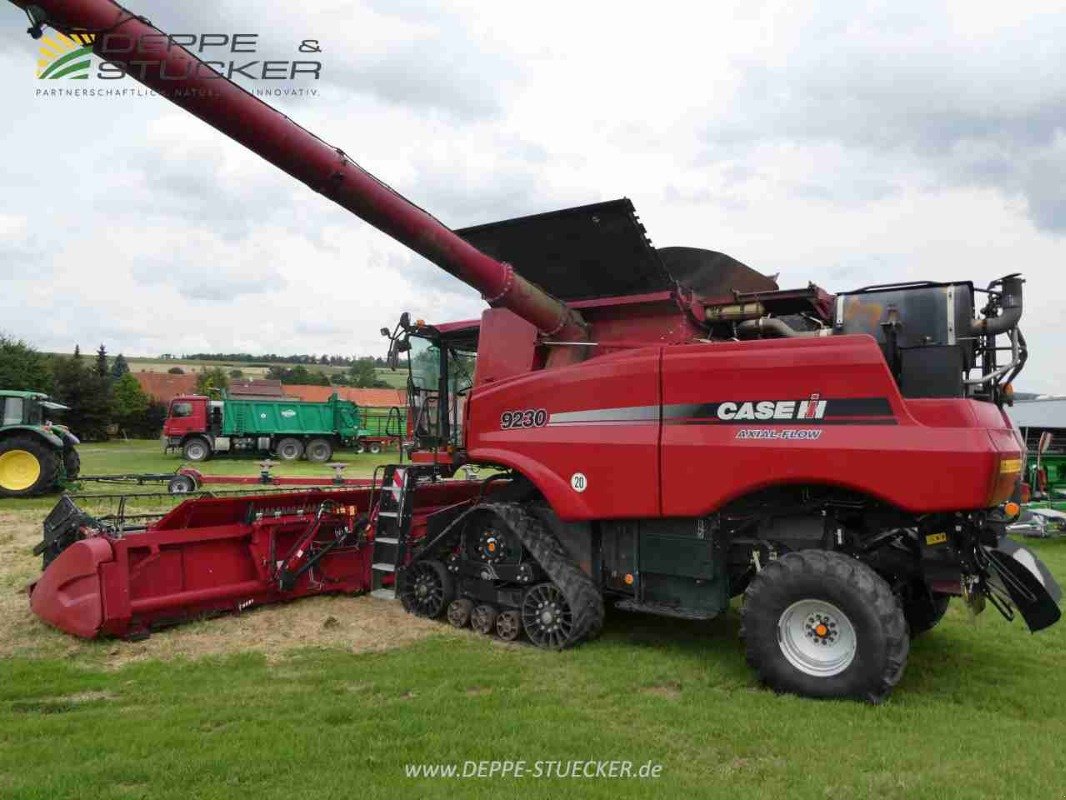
(101,362)
(87,394)
(119,367)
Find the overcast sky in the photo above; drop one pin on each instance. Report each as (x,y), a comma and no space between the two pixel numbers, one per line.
(854,144)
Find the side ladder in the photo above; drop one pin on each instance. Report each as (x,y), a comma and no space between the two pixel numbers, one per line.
(393,527)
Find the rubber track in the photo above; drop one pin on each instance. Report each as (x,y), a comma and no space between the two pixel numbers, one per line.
(867,583)
(585,599)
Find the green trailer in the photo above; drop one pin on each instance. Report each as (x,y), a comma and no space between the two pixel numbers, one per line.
(200,427)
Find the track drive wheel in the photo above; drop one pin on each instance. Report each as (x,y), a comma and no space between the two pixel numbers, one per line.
(822,624)
(459,612)
(426,588)
(483,619)
(568,608)
(28,466)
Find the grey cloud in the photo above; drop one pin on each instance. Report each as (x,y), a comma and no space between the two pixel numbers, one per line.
(196,279)
(905,90)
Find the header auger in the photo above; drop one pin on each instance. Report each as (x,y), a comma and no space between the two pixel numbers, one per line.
(666,429)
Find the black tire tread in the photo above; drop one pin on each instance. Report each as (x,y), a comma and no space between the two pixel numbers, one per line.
(859,577)
(71,463)
(581,593)
(48,457)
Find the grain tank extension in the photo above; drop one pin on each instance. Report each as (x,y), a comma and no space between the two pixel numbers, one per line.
(667,429)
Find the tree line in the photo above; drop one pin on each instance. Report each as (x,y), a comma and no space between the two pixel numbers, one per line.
(104,398)
(270,358)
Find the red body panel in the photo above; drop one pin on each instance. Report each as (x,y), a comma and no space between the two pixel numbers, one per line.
(642,454)
(620,460)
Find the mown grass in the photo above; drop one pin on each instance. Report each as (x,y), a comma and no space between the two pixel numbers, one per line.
(146,456)
(978,714)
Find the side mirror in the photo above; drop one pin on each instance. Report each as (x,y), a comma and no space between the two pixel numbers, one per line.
(405,320)
(386,332)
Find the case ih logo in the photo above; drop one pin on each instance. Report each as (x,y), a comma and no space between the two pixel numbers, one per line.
(769,410)
(63,56)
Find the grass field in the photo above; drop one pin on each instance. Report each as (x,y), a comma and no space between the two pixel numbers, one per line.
(979,713)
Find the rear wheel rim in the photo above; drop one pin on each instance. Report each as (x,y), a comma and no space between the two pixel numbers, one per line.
(19,470)
(817,638)
(546,616)
(196,451)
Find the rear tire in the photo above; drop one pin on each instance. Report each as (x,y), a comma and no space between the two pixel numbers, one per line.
(924,610)
(360,447)
(375,448)
(319,451)
(71,463)
(28,467)
(822,624)
(196,449)
(289,449)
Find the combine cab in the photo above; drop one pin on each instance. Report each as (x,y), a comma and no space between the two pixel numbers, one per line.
(665,429)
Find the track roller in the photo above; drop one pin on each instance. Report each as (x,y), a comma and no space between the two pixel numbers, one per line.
(483,619)
(459,612)
(509,625)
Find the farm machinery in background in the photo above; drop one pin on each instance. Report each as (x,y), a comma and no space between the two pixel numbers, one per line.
(200,427)
(666,429)
(37,456)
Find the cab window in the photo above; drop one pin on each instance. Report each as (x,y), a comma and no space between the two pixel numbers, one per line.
(181,410)
(12,410)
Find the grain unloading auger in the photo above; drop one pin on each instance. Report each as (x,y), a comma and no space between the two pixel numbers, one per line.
(666,427)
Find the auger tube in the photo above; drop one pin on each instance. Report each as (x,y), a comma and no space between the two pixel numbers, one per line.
(151,58)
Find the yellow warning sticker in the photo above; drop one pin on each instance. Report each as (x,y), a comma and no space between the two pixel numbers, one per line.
(936,538)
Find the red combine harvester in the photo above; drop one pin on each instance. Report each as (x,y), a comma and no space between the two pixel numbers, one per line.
(667,429)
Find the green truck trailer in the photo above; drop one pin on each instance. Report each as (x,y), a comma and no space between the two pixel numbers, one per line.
(290,429)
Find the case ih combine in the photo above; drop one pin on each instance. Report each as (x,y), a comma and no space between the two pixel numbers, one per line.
(668,429)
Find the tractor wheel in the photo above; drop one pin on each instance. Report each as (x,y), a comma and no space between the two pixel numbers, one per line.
(375,448)
(821,624)
(459,612)
(196,449)
(319,451)
(71,463)
(483,619)
(426,588)
(28,466)
(924,609)
(290,449)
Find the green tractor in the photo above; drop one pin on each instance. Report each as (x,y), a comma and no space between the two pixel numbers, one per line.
(36,455)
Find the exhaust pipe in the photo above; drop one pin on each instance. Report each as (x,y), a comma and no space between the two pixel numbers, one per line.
(777,327)
(1011,310)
